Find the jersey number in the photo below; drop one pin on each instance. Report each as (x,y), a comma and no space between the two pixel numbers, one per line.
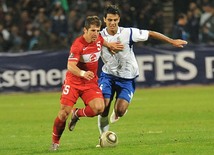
(98,46)
(66,89)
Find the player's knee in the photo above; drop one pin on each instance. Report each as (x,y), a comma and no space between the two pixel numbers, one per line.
(99,108)
(121,112)
(63,114)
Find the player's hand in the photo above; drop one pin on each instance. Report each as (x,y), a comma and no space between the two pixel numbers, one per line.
(179,43)
(115,47)
(88,75)
(112,51)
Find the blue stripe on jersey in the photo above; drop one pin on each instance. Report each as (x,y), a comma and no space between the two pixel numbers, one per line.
(131,42)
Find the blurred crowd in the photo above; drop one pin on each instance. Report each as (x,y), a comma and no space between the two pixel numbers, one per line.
(28,25)
(196,24)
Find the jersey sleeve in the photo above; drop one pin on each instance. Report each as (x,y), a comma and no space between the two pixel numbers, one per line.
(139,35)
(75,52)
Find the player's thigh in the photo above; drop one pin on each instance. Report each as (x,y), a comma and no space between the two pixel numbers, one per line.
(106,84)
(93,95)
(125,90)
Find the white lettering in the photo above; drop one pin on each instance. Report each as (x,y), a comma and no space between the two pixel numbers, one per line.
(25,78)
(164,67)
(22,78)
(54,77)
(190,69)
(209,66)
(38,76)
(146,64)
(7,79)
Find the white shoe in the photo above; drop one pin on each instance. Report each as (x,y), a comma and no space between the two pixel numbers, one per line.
(103,124)
(54,147)
(98,145)
(113,117)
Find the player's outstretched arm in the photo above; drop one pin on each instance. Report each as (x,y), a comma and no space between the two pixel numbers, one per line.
(175,42)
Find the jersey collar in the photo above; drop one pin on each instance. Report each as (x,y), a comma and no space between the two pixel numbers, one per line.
(107,34)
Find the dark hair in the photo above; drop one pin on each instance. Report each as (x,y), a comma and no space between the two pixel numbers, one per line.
(181,16)
(112,9)
(92,20)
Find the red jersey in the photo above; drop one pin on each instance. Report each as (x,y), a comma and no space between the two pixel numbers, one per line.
(87,56)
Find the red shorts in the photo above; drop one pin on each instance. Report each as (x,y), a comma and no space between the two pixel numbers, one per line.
(88,92)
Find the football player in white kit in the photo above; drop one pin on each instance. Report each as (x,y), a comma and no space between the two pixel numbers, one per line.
(120,69)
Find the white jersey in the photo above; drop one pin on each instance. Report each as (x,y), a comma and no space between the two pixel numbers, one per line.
(122,64)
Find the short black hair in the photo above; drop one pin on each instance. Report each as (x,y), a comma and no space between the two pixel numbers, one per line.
(112,9)
(92,20)
(181,16)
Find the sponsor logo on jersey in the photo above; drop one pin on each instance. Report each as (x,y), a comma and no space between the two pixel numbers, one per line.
(93,57)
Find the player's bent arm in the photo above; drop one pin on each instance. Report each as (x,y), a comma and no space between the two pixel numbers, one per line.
(162,37)
(113,46)
(72,67)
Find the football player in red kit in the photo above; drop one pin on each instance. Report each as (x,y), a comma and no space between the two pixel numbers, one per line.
(81,79)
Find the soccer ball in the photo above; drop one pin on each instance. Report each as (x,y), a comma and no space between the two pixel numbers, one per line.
(108,139)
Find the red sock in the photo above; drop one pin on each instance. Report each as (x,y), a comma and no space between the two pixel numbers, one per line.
(58,129)
(85,112)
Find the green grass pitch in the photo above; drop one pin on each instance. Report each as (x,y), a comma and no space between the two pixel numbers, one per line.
(160,121)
